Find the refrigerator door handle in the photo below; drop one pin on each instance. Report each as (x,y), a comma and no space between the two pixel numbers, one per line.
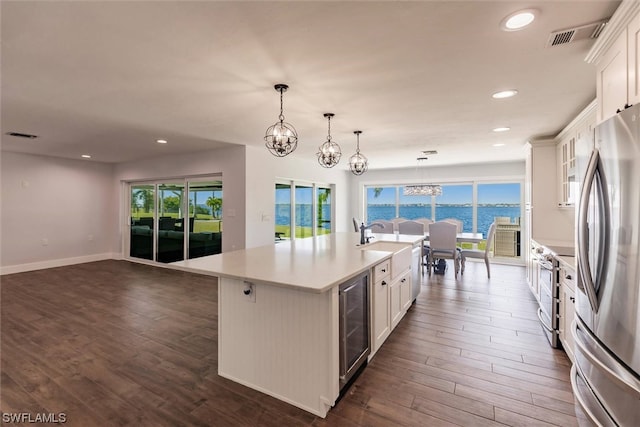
(605,362)
(584,268)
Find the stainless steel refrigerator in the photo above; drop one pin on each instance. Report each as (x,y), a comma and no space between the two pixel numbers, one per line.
(606,375)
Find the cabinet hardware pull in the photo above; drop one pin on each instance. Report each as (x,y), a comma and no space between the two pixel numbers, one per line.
(403,280)
(573,299)
(247,291)
(384,270)
(568,277)
(383,283)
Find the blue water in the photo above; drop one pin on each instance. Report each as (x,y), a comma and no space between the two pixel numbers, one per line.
(486,214)
(303,215)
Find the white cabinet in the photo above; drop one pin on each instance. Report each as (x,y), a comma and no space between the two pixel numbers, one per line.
(616,54)
(566,157)
(567,308)
(400,297)
(612,77)
(381,315)
(575,142)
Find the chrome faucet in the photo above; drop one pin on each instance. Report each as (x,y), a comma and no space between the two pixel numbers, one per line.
(363,227)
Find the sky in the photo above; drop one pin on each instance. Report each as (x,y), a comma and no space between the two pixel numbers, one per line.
(454,194)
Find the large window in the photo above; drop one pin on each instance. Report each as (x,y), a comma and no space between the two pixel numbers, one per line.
(312,213)
(476,204)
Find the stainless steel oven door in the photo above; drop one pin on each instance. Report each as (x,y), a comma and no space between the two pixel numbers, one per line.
(548,310)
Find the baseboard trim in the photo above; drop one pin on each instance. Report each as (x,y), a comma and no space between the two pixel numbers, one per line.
(21,268)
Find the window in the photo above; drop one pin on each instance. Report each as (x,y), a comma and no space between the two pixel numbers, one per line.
(456,201)
(414,207)
(312,212)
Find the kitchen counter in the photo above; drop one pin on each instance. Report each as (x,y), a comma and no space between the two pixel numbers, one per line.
(279,312)
(557,247)
(314,264)
(569,261)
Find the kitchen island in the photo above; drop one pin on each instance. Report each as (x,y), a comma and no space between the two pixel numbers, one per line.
(278,312)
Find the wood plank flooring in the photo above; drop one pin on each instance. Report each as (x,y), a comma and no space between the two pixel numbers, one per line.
(115,343)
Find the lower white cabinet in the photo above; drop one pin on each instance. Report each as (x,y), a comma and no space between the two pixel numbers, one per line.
(567,309)
(391,300)
(380,314)
(400,297)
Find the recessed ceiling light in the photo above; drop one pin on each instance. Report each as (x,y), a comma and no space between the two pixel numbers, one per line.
(518,20)
(505,94)
(501,129)
(86,156)
(161,141)
(499,144)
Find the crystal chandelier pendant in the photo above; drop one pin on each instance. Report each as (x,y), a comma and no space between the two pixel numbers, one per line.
(329,152)
(281,139)
(358,163)
(422,189)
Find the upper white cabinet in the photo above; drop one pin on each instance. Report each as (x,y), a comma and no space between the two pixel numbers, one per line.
(575,140)
(616,56)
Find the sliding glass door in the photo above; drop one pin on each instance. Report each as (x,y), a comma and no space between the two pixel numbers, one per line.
(174,220)
(142,226)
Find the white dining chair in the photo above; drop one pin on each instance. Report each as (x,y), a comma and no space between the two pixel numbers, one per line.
(356,225)
(425,221)
(474,253)
(442,241)
(411,227)
(387,227)
(455,221)
(397,221)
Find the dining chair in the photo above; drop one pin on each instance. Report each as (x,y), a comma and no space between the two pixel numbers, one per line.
(387,227)
(455,221)
(425,221)
(474,253)
(411,227)
(442,240)
(397,221)
(356,225)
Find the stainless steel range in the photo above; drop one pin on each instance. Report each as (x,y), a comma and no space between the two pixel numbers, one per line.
(549,296)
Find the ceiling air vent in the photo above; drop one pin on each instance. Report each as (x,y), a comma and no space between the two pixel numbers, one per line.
(429,152)
(22,135)
(588,31)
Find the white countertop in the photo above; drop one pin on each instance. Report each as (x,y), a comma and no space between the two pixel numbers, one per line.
(569,261)
(314,264)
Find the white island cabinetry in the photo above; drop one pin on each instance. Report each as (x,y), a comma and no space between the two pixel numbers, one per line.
(279,310)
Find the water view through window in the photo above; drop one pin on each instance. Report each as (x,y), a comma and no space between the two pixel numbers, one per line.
(494,200)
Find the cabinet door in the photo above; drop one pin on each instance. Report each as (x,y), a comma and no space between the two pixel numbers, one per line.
(611,83)
(381,315)
(395,303)
(406,282)
(633,50)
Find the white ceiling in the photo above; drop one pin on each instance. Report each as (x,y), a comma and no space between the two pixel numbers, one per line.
(109,78)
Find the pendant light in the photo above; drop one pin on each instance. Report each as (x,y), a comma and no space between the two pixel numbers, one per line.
(422,189)
(281,138)
(358,163)
(329,153)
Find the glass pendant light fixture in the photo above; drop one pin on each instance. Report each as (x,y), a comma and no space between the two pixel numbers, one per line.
(281,138)
(358,163)
(329,152)
(422,189)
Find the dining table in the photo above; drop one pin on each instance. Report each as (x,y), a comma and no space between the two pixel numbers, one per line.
(464,237)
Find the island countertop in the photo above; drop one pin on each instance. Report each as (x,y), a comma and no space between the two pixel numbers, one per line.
(314,264)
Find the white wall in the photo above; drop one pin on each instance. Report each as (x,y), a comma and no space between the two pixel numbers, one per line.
(69,203)
(230,162)
(263,169)
(513,171)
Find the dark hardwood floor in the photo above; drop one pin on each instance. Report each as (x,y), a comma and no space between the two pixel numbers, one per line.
(114,343)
